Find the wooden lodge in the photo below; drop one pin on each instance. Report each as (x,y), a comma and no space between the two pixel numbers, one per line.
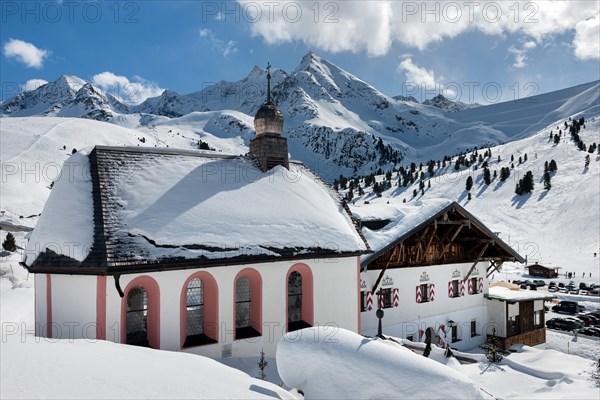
(543,272)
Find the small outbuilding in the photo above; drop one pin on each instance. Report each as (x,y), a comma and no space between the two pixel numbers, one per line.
(516,316)
(542,271)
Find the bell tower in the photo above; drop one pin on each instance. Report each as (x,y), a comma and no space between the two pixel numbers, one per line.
(269,148)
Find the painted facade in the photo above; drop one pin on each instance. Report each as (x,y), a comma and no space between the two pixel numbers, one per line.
(448,312)
(100,312)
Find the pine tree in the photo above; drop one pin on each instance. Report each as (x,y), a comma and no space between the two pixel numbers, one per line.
(486,176)
(9,243)
(547,183)
(469,183)
(552,167)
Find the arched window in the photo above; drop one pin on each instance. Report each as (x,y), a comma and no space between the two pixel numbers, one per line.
(199,310)
(140,313)
(299,297)
(248,304)
(137,317)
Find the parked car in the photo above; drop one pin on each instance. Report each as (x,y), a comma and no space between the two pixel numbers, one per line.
(570,287)
(583,285)
(523,286)
(552,284)
(574,291)
(569,307)
(538,282)
(575,320)
(594,292)
(563,324)
(588,320)
(590,331)
(561,285)
(533,287)
(552,289)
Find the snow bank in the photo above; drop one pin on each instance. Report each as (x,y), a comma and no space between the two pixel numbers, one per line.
(67,222)
(102,370)
(332,363)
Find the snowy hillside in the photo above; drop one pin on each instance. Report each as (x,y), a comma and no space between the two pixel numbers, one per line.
(558,227)
(335,122)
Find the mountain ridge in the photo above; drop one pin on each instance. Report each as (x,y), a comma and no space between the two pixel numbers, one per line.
(334,121)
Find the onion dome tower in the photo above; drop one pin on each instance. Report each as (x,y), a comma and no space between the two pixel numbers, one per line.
(269,148)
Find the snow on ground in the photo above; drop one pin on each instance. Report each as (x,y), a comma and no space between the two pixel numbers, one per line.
(533,373)
(62,369)
(331,363)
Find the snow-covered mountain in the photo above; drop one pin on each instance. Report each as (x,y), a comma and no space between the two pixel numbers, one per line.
(68,96)
(335,122)
(443,103)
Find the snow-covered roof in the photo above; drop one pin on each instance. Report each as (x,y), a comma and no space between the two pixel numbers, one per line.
(406,219)
(181,207)
(506,294)
(403,218)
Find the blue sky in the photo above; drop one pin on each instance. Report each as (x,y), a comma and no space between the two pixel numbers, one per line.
(510,48)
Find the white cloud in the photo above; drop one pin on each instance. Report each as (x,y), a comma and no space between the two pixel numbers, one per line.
(128,91)
(587,39)
(225,48)
(373,26)
(33,84)
(419,79)
(418,75)
(25,52)
(521,54)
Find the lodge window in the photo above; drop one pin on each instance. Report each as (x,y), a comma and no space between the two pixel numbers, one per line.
(424,293)
(473,328)
(299,298)
(455,288)
(248,304)
(137,317)
(539,319)
(474,286)
(513,325)
(455,333)
(386,298)
(363,301)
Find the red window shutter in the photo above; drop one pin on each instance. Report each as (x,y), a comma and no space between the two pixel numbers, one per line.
(470,287)
(480,285)
(369,301)
(396,297)
(462,288)
(450,290)
(418,294)
(431,292)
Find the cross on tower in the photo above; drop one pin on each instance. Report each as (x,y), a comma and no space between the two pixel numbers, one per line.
(268,82)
